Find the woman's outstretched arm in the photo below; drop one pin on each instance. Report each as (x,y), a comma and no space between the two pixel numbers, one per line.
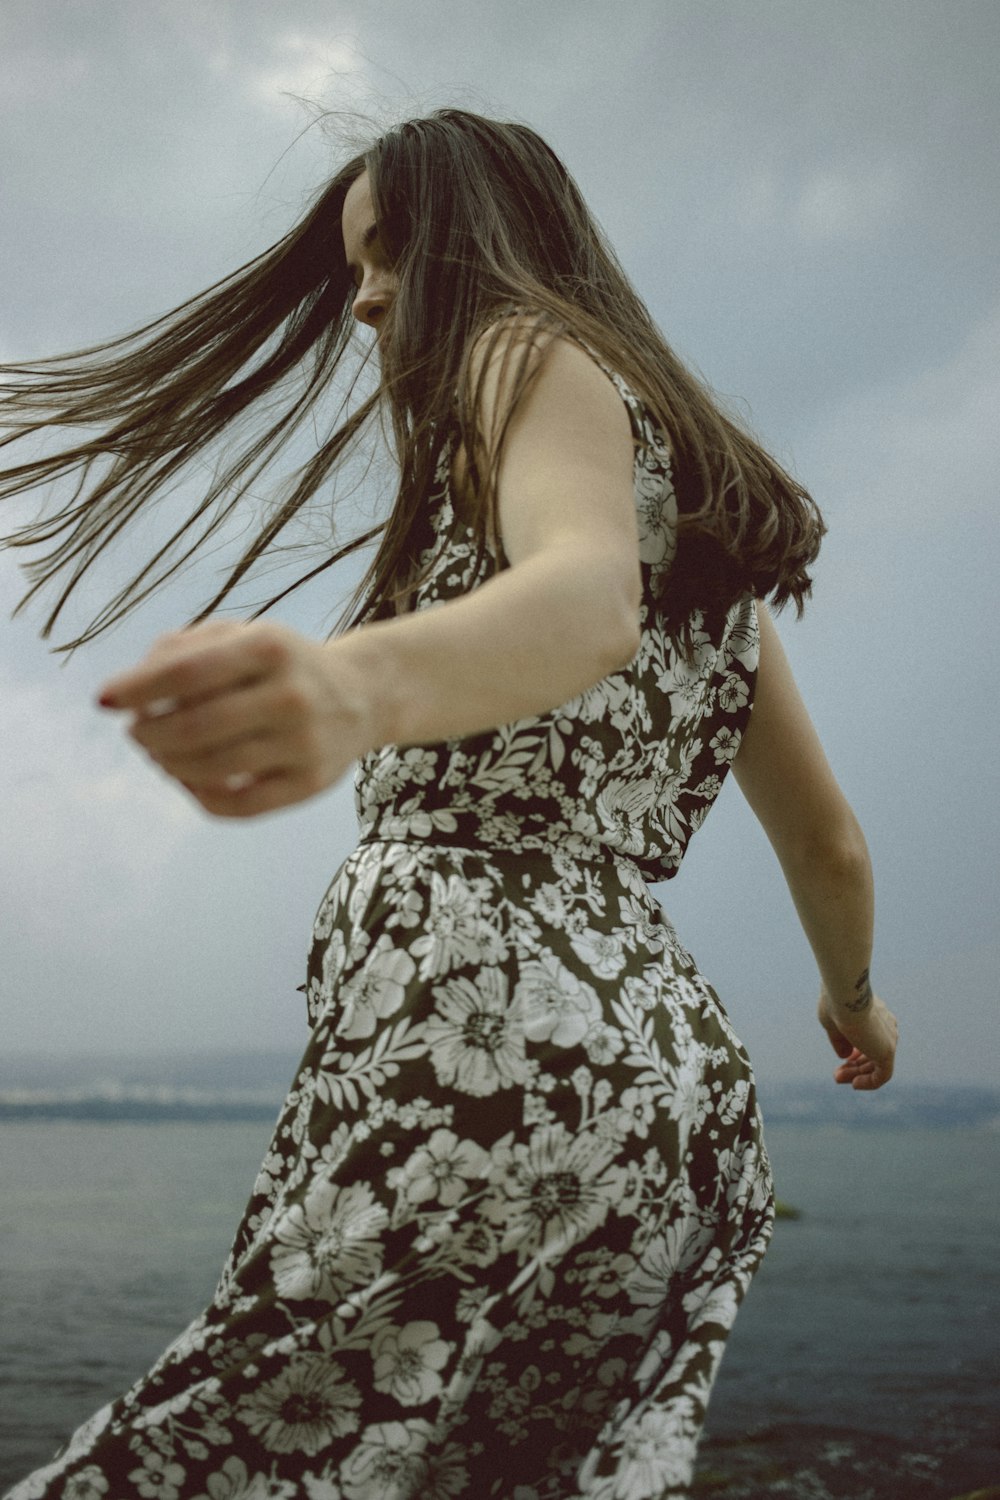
(565,614)
(784,775)
(254,717)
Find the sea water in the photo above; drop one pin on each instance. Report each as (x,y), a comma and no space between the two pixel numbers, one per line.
(876,1309)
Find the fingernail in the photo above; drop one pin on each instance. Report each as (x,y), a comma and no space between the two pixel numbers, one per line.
(108,700)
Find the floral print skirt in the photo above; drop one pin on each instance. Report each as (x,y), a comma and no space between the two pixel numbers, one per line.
(510,1207)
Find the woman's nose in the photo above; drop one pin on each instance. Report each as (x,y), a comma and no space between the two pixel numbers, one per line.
(371,301)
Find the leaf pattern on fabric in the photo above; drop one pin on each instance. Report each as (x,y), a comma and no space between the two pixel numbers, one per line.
(631,766)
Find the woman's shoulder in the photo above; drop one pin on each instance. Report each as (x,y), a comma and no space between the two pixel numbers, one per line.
(647,429)
(517,328)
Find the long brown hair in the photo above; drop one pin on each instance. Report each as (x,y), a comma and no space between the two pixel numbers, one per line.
(480,218)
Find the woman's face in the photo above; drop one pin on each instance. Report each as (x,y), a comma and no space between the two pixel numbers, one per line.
(367,261)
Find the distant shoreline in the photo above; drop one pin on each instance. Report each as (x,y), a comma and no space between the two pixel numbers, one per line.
(101,1111)
(973,1109)
(249,1086)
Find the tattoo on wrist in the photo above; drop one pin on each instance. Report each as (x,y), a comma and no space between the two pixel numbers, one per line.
(863,994)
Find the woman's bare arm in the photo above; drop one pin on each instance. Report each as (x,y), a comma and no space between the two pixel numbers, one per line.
(566,612)
(251,717)
(784,775)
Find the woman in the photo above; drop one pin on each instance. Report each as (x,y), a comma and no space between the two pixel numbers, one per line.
(519,1185)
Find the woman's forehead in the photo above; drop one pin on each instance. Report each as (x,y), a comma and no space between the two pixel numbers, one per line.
(358,212)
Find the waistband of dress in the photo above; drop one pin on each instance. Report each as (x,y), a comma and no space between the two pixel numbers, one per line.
(435,828)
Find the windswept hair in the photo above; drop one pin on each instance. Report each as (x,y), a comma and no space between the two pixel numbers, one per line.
(480,220)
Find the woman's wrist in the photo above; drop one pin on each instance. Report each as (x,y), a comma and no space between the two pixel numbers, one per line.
(358,677)
(527,640)
(852,1001)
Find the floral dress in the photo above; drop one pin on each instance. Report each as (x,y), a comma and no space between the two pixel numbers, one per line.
(519,1187)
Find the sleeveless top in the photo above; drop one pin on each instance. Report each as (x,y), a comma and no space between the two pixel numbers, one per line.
(627,769)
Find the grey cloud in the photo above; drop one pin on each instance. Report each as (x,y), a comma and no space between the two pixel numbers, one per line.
(807,198)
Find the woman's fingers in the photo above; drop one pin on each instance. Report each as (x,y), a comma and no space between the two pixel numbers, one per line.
(200,728)
(856,1063)
(246,716)
(192,666)
(265,794)
(234,765)
(159,686)
(250,732)
(863,1072)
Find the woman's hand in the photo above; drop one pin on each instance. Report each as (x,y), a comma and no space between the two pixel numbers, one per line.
(865,1041)
(248,717)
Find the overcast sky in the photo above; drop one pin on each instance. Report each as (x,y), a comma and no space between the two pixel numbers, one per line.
(807,195)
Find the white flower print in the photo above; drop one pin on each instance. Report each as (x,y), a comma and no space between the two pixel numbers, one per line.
(475,1038)
(269,1174)
(523,933)
(330,1243)
(389,773)
(604,1273)
(409,910)
(377,990)
(603,1043)
(415,823)
(158,1479)
(655,499)
(602,952)
(725,743)
(303,1408)
(323,925)
(623,807)
(741,642)
(337,957)
(600,702)
(453,929)
(717,1304)
(406,864)
(234,1482)
(656,1453)
(553,1191)
(576,920)
(388,1456)
(670,787)
(322,1486)
(688,990)
(749,1179)
(440,1170)
(680,1245)
(535,1111)
(406,1362)
(361,878)
(421,1112)
(689,694)
(551,902)
(554,1005)
(732,1105)
(88,1484)
(643,992)
(303,1096)
(637,1106)
(651,924)
(657,517)
(733,693)
(498,827)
